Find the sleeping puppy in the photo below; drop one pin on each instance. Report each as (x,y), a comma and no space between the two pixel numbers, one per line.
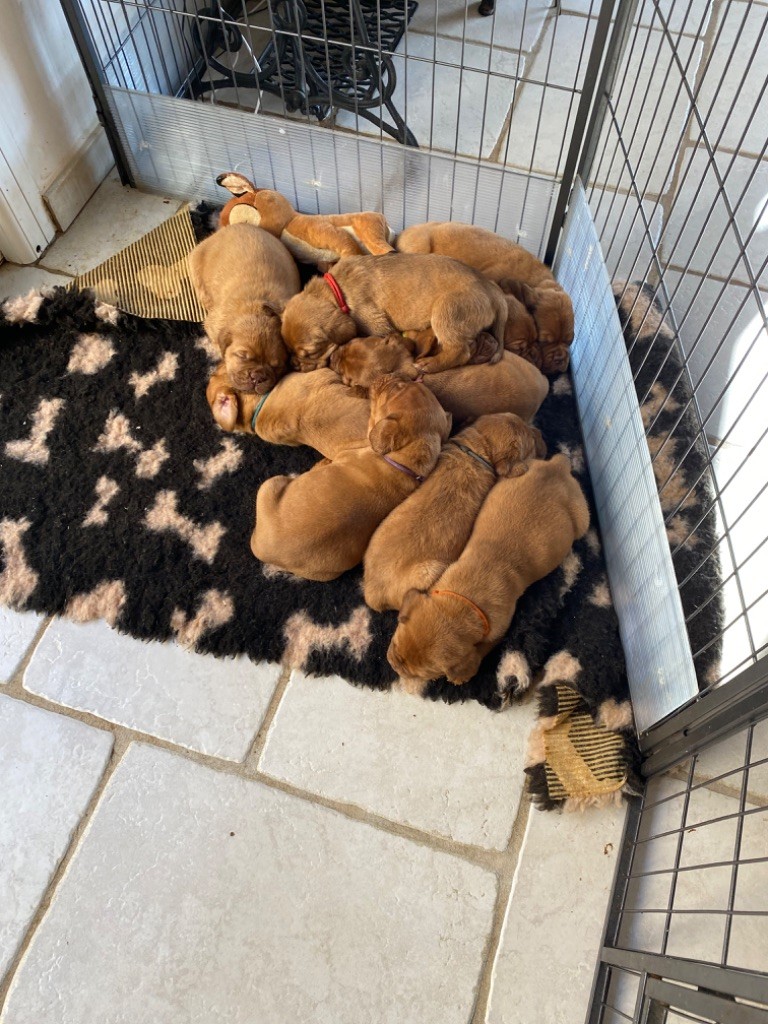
(521,334)
(303,408)
(243,277)
(380,294)
(419,540)
(512,385)
(524,530)
(318,525)
(507,264)
(552,314)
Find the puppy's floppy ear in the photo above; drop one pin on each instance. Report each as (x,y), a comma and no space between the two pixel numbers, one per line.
(511,467)
(409,600)
(409,344)
(520,291)
(466,668)
(384,436)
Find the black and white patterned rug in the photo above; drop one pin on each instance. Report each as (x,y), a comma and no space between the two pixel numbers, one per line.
(121,499)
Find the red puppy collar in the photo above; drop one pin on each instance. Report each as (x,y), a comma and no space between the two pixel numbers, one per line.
(338,294)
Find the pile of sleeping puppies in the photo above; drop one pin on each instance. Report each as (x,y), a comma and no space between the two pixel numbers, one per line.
(415,372)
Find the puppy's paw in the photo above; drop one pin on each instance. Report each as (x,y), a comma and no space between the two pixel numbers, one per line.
(513,677)
(225,410)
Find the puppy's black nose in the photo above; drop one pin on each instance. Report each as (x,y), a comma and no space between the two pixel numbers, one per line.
(257,376)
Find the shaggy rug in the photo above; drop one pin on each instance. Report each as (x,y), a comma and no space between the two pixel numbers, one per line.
(121,499)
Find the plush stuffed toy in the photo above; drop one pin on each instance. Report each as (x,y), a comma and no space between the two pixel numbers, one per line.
(316,239)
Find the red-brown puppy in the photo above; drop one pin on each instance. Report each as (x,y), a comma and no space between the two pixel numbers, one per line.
(552,312)
(318,525)
(512,385)
(244,277)
(315,409)
(419,540)
(510,266)
(524,530)
(380,294)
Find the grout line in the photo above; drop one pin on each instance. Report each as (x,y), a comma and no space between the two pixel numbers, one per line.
(506,882)
(680,774)
(529,58)
(252,758)
(491,860)
(40,266)
(472,42)
(668,199)
(118,749)
(692,272)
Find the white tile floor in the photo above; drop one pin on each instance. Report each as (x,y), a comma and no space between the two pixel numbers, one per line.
(269,848)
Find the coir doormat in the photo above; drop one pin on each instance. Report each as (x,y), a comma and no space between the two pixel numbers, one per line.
(121,499)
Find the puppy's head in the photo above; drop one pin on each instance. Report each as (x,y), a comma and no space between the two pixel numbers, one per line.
(507,441)
(314,327)
(484,349)
(436,635)
(231,409)
(521,332)
(362,360)
(554,321)
(404,412)
(253,350)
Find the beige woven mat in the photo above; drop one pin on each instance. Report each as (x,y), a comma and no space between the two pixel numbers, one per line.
(150,278)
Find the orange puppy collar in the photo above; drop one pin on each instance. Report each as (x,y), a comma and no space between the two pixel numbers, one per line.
(338,294)
(478,611)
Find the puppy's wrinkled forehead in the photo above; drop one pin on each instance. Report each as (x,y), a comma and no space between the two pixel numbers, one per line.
(391,387)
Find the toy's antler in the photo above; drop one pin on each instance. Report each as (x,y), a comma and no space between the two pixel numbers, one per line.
(236,184)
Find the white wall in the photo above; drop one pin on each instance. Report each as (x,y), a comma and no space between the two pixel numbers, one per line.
(50,140)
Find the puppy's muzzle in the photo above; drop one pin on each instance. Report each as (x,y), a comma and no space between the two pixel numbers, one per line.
(395,660)
(257,379)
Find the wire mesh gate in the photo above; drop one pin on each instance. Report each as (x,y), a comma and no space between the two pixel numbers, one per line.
(646,123)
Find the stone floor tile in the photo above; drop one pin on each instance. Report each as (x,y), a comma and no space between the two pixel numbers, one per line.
(540,130)
(457,110)
(628,245)
(206,897)
(691,18)
(16,280)
(515,25)
(563,51)
(455,770)
(554,921)
(17,631)
(208,704)
(651,108)
(708,840)
(114,217)
(722,331)
(723,761)
(736,73)
(743,508)
(699,233)
(49,766)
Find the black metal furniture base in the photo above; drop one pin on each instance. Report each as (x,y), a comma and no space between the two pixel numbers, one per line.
(323,54)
